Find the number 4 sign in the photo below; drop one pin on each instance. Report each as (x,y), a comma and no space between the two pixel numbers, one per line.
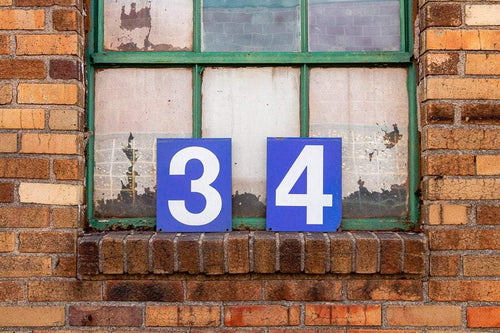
(194,185)
(304,177)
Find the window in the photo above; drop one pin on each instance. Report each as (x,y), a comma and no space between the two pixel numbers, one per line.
(250,69)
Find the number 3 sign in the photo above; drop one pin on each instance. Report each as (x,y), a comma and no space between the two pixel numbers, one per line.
(194,185)
(304,184)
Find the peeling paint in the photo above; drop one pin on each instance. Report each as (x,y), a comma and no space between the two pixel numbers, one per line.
(248,205)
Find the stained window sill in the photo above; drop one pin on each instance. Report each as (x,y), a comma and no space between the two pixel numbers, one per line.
(243,252)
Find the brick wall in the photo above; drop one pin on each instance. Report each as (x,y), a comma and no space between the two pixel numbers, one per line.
(53,278)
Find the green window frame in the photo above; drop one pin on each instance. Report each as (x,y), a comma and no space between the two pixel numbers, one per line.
(97,58)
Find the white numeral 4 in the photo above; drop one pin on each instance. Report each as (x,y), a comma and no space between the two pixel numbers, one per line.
(201,185)
(311,159)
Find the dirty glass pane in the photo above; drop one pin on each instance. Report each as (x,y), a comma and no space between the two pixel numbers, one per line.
(354,25)
(248,105)
(145,25)
(251,25)
(133,107)
(368,109)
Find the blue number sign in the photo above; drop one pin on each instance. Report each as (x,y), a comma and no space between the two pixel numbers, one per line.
(194,185)
(304,177)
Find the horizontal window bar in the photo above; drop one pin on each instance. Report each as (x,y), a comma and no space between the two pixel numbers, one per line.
(243,58)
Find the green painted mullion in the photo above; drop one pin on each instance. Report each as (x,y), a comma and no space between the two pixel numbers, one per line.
(413,150)
(304,101)
(304,25)
(89,171)
(100,25)
(403,26)
(374,224)
(248,58)
(197,72)
(254,223)
(197,12)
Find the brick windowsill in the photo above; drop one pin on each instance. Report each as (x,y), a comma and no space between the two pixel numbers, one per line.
(240,252)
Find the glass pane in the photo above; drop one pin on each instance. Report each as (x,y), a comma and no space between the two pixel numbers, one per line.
(251,25)
(133,107)
(368,109)
(145,25)
(354,25)
(248,105)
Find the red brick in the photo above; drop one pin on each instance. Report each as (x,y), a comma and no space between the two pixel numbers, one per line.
(449,165)
(261,315)
(224,290)
(481,113)
(65,20)
(189,253)
(163,253)
(424,315)
(112,252)
(144,291)
(415,249)
(25,267)
(316,253)
(341,252)
(186,316)
(487,291)
(438,113)
(441,15)
(105,316)
(64,291)
(391,253)
(343,315)
(264,250)
(37,3)
(6,192)
(11,291)
(444,265)
(303,290)
(24,217)
(213,253)
(47,242)
(24,168)
(238,255)
(290,249)
(66,70)
(137,253)
(440,64)
(488,215)
(88,254)
(22,69)
(65,267)
(381,290)
(464,239)
(485,316)
(367,249)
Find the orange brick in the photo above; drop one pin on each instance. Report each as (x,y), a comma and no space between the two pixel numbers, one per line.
(350,315)
(7,242)
(65,20)
(445,291)
(30,93)
(424,315)
(47,242)
(186,316)
(455,214)
(11,291)
(463,189)
(47,44)
(22,69)
(68,169)
(440,63)
(449,165)
(434,214)
(481,265)
(24,168)
(462,88)
(464,239)
(5,2)
(261,315)
(22,118)
(16,19)
(458,138)
(25,217)
(25,266)
(112,252)
(488,165)
(31,316)
(482,64)
(4,44)
(438,39)
(44,143)
(5,93)
(65,267)
(31,3)
(484,316)
(391,290)
(67,291)
(444,265)
(64,217)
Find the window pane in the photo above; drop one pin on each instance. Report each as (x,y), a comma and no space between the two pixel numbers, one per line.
(133,107)
(251,25)
(368,108)
(145,25)
(248,105)
(355,25)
